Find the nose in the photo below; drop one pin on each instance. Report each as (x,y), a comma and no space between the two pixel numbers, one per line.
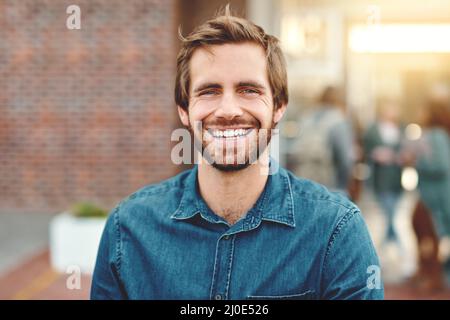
(228,107)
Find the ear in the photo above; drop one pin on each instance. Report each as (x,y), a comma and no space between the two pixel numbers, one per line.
(279,112)
(184,116)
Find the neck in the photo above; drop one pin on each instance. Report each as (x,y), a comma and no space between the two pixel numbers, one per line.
(232,194)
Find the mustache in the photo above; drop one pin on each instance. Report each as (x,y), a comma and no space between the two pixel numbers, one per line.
(233,122)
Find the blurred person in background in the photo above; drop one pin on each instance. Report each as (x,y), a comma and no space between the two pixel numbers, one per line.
(429,276)
(432,160)
(327,136)
(382,145)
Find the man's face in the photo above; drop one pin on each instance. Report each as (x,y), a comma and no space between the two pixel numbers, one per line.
(231,99)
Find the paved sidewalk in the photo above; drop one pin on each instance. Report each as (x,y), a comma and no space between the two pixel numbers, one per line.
(406,292)
(35,280)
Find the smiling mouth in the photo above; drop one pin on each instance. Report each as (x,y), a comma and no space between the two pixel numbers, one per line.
(229,133)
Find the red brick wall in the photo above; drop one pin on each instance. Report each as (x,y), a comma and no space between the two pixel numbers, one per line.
(195,12)
(84,114)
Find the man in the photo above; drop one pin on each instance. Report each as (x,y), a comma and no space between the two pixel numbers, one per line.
(383,144)
(327,135)
(227,229)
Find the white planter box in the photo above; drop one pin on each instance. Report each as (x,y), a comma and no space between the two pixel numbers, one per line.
(74,242)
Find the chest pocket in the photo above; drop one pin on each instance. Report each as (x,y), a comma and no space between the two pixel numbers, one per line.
(307,295)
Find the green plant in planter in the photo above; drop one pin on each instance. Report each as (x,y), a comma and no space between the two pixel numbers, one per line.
(88,210)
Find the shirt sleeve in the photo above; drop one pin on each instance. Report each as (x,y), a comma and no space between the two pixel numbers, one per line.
(351,268)
(106,283)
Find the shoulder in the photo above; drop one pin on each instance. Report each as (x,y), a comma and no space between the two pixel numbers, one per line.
(158,199)
(371,130)
(371,135)
(332,217)
(308,190)
(334,116)
(440,134)
(166,186)
(316,203)
(438,139)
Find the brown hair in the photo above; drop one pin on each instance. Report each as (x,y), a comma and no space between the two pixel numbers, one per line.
(439,114)
(226,28)
(331,95)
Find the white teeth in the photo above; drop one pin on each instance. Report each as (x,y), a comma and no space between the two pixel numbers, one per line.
(229,133)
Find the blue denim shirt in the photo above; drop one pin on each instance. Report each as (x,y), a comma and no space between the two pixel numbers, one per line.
(299,241)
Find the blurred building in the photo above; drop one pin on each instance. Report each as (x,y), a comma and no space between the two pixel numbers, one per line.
(87,114)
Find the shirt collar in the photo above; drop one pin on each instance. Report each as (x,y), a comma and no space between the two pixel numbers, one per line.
(276,202)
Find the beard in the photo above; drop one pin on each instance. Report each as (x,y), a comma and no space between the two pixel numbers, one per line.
(234,156)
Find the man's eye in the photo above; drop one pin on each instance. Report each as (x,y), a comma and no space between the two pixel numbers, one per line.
(249,91)
(208,93)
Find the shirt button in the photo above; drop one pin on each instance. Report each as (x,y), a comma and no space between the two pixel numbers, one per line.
(226,237)
(218,297)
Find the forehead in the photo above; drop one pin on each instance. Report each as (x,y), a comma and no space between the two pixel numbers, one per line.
(229,63)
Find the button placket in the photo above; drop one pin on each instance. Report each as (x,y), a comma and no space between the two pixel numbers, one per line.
(222,267)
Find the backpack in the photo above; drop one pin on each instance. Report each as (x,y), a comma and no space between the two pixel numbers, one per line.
(313,154)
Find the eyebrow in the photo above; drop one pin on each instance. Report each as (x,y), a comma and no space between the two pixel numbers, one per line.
(212,85)
(253,84)
(208,85)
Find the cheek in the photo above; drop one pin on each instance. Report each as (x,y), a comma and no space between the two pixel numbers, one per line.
(201,109)
(260,110)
